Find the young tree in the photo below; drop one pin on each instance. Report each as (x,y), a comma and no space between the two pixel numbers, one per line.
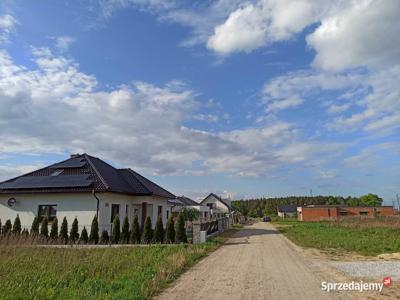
(44,227)
(35,226)
(159,231)
(7,227)
(94,231)
(371,200)
(104,239)
(125,230)
(1,228)
(17,226)
(135,231)
(116,230)
(54,229)
(64,231)
(84,236)
(180,236)
(74,234)
(147,234)
(170,231)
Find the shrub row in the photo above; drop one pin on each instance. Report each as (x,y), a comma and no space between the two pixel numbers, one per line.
(134,234)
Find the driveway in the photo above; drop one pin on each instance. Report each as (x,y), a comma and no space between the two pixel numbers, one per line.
(258,263)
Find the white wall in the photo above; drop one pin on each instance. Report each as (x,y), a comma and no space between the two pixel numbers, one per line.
(81,205)
(219,206)
(107,199)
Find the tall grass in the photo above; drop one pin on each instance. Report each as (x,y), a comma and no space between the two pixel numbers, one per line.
(101,273)
(365,240)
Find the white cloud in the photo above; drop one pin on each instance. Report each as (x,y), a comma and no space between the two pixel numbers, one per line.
(63,43)
(56,108)
(7,24)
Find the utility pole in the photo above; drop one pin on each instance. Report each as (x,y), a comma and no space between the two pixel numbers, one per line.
(398,201)
(311,192)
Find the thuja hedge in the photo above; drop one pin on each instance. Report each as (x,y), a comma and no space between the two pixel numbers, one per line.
(128,234)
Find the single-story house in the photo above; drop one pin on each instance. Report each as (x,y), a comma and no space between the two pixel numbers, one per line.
(218,207)
(185,202)
(287,210)
(333,212)
(83,186)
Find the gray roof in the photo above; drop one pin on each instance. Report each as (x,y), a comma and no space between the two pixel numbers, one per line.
(187,201)
(288,208)
(83,173)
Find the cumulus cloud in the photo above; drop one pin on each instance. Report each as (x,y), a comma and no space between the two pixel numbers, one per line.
(56,108)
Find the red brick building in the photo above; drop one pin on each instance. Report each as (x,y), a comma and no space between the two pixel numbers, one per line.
(333,212)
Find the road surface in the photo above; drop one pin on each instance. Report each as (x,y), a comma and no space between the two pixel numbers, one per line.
(258,263)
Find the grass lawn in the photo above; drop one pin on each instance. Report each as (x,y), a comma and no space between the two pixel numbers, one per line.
(99,273)
(334,235)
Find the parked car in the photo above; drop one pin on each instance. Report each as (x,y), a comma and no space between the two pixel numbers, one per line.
(267,219)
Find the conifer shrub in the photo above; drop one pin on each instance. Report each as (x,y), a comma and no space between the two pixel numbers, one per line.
(74,234)
(17,226)
(7,227)
(104,239)
(170,231)
(135,231)
(116,230)
(94,231)
(44,227)
(180,236)
(1,227)
(147,234)
(159,231)
(125,230)
(35,226)
(64,231)
(54,229)
(84,236)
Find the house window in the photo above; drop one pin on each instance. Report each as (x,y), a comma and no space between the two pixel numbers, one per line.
(210,205)
(159,210)
(205,215)
(126,210)
(49,211)
(114,211)
(167,214)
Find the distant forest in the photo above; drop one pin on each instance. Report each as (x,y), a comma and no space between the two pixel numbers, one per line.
(268,206)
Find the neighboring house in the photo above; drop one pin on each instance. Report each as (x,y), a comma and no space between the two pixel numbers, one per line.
(182,201)
(219,207)
(83,186)
(287,210)
(333,212)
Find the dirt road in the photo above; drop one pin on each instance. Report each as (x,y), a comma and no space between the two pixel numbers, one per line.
(259,263)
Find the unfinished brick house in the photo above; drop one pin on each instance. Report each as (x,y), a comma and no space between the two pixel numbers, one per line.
(333,212)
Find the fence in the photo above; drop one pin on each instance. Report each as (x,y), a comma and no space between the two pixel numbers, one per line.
(204,229)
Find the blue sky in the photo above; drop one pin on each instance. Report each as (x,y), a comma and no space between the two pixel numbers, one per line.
(241,98)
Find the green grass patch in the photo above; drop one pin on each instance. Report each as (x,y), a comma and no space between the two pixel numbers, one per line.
(100,273)
(327,236)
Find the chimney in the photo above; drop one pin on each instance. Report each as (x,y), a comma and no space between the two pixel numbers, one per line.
(75,155)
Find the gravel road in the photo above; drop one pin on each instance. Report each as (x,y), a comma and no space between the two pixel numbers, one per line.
(258,263)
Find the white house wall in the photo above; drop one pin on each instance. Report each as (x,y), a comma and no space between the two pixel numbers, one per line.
(80,205)
(217,203)
(83,206)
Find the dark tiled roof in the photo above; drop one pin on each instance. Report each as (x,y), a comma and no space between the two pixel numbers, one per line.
(102,177)
(287,208)
(187,201)
(219,198)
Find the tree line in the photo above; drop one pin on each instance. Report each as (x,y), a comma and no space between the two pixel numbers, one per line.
(125,234)
(268,206)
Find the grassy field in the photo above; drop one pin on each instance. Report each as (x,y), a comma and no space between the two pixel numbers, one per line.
(100,273)
(352,235)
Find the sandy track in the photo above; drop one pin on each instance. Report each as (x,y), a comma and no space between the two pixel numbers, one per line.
(258,263)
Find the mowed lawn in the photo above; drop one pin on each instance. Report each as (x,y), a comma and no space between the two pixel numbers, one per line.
(96,273)
(364,240)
